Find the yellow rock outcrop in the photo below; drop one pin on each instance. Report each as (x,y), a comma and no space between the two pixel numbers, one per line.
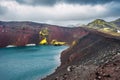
(43,42)
(57,43)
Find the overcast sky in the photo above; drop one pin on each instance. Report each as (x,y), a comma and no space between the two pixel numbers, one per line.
(60,12)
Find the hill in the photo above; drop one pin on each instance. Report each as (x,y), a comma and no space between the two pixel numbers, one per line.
(116,22)
(106,27)
(101,24)
(95,56)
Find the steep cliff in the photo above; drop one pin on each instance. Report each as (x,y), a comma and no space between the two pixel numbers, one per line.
(84,60)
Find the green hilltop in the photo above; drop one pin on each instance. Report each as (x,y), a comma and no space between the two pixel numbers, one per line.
(112,27)
(100,24)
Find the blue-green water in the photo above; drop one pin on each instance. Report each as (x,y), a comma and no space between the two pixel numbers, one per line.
(29,63)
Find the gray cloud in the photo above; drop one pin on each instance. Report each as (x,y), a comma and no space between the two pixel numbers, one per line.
(62,14)
(93,2)
(3,10)
(38,2)
(53,2)
(114,9)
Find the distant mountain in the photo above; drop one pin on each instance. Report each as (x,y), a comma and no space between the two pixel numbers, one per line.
(116,22)
(21,24)
(101,24)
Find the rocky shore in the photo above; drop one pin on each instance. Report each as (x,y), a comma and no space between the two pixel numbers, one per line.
(94,57)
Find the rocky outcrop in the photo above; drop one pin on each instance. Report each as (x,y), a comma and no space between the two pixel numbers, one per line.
(89,58)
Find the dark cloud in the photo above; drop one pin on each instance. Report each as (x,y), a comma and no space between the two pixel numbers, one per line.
(53,2)
(60,13)
(92,2)
(38,2)
(3,10)
(114,10)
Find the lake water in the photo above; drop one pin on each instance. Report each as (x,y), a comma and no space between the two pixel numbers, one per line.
(29,63)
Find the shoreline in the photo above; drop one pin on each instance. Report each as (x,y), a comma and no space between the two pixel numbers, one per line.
(58,65)
(55,70)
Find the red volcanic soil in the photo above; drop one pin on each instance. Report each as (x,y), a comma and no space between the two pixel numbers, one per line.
(18,37)
(22,33)
(65,34)
(92,55)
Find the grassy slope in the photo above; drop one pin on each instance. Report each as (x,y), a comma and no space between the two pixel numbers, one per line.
(106,27)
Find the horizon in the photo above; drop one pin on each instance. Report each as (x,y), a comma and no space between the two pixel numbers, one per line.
(76,25)
(59,12)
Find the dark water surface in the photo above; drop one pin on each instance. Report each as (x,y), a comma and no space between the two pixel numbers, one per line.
(29,63)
